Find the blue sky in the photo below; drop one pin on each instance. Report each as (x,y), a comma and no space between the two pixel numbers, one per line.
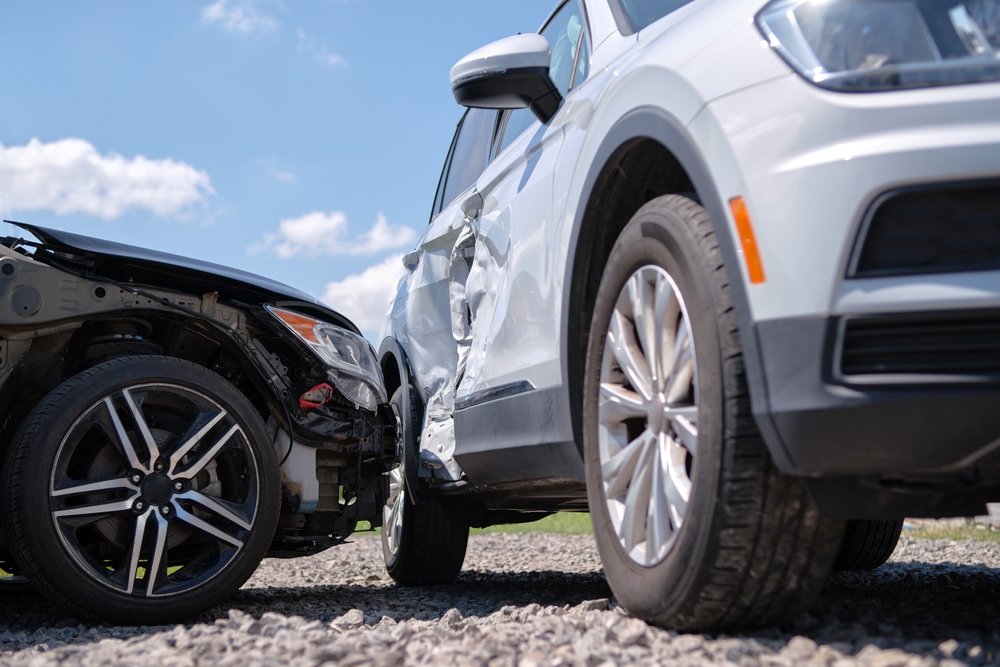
(299,140)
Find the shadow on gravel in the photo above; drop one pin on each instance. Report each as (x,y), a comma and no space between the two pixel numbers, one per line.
(915,606)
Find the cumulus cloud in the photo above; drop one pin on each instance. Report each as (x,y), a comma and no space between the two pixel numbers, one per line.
(364,297)
(70,176)
(321,233)
(243,16)
(316,50)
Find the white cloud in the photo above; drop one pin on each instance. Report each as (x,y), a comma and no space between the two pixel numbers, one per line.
(317,50)
(70,176)
(321,233)
(283,175)
(245,16)
(364,297)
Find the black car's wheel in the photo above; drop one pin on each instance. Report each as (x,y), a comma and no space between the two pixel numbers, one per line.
(695,526)
(12,580)
(423,544)
(144,490)
(868,544)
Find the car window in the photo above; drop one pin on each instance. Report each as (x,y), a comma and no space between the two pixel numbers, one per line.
(568,38)
(469,155)
(642,13)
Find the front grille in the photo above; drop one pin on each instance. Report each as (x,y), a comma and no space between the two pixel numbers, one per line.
(964,344)
(933,230)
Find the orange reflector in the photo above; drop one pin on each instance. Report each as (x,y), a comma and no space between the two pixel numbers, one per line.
(754,266)
(301,324)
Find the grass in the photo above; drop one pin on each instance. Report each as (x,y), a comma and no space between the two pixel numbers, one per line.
(564,523)
(935,531)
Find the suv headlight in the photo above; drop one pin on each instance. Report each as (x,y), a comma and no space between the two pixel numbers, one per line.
(875,45)
(350,358)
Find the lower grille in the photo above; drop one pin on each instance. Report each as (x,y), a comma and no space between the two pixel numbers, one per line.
(933,230)
(960,345)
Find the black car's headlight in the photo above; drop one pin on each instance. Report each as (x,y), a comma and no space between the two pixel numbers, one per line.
(350,359)
(875,45)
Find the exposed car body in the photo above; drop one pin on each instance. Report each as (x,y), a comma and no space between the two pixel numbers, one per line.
(239,417)
(839,163)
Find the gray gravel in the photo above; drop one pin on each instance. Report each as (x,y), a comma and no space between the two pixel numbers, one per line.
(534,599)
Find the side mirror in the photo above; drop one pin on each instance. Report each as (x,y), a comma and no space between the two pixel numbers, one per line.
(512,73)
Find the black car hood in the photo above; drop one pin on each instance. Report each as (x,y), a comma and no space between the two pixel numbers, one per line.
(129,264)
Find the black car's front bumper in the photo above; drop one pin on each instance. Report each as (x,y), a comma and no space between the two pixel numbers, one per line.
(879,444)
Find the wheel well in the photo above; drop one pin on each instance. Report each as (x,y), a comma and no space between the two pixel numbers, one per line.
(390,374)
(54,358)
(637,172)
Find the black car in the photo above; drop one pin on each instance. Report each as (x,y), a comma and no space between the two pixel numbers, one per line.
(168,423)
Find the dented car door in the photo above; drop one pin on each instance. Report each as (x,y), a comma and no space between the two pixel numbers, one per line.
(431,311)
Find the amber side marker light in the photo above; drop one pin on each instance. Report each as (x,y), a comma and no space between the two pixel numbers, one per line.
(299,323)
(747,239)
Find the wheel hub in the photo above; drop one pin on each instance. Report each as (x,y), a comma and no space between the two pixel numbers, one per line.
(157,489)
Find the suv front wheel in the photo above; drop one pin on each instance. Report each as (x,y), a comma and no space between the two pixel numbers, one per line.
(695,526)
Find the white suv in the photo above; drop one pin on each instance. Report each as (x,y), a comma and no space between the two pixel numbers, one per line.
(724,272)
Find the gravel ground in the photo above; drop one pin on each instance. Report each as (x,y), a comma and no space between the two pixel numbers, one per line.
(535,599)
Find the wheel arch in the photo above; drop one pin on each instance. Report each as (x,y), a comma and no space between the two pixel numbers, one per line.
(396,373)
(656,146)
(55,357)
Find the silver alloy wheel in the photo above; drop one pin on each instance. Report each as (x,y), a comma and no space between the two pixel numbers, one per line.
(392,512)
(648,414)
(154,489)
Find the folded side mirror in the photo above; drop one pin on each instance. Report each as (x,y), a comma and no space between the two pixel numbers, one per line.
(512,73)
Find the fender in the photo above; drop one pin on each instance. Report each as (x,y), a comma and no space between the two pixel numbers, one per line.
(391,347)
(656,124)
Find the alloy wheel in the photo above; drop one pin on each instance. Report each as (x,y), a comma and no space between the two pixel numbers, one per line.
(648,415)
(154,490)
(392,512)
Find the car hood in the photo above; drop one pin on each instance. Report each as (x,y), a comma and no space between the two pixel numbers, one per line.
(130,264)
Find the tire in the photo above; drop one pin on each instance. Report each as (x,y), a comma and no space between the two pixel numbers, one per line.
(729,541)
(423,544)
(144,490)
(868,544)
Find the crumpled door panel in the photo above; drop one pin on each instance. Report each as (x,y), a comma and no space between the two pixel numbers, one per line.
(434,326)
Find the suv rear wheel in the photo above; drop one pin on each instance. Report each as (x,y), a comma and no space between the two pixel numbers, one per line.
(143,490)
(868,544)
(423,543)
(695,526)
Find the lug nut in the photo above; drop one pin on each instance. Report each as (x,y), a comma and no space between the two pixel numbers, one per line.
(178,487)
(164,510)
(135,478)
(159,466)
(140,505)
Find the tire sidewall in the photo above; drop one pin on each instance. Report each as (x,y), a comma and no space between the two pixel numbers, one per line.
(60,411)
(662,238)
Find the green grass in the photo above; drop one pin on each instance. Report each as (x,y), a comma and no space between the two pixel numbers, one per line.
(954,533)
(564,523)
